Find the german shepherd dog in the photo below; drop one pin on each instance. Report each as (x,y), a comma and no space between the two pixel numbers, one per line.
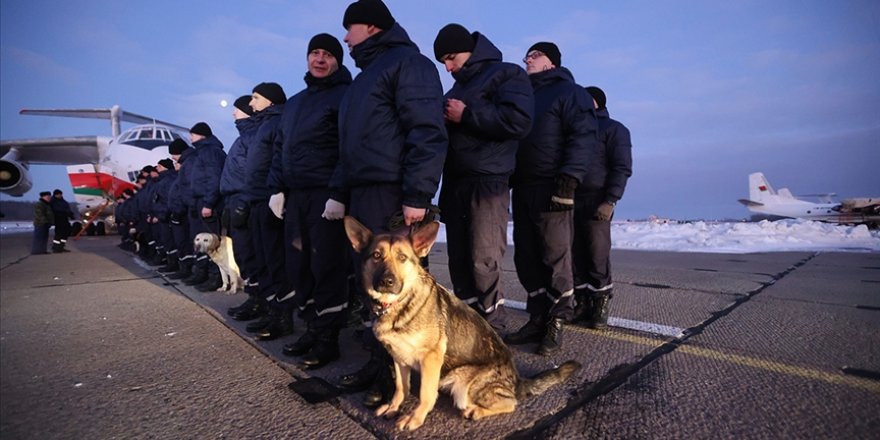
(425,327)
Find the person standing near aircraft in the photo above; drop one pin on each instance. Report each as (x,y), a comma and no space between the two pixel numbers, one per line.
(160,210)
(204,187)
(63,215)
(595,199)
(179,201)
(488,110)
(551,162)
(233,187)
(43,220)
(393,144)
(306,153)
(267,228)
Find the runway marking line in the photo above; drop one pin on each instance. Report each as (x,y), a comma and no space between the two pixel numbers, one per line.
(762,364)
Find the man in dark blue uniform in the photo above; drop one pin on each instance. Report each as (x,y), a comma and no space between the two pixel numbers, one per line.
(393,143)
(488,110)
(63,215)
(595,200)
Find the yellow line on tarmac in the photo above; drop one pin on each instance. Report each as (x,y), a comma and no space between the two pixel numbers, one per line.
(762,364)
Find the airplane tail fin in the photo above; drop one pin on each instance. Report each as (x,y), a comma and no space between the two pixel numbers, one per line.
(759,188)
(115,114)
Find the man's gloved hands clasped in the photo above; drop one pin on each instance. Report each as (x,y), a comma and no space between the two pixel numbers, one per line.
(276,204)
(563,197)
(333,210)
(604,211)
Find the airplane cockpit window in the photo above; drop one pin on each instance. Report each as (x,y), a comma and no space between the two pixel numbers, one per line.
(146,134)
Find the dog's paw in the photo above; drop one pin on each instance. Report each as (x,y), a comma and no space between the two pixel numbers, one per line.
(473,413)
(387,411)
(409,422)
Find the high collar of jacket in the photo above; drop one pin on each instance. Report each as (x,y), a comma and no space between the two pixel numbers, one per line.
(370,49)
(268,112)
(602,113)
(340,76)
(551,76)
(208,142)
(246,124)
(484,52)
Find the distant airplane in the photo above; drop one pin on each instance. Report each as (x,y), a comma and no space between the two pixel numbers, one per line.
(100,168)
(764,200)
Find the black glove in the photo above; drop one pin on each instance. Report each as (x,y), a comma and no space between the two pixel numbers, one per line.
(239,216)
(563,198)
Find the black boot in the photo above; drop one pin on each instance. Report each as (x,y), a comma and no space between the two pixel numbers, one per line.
(56,248)
(264,321)
(552,341)
(248,303)
(185,270)
(256,309)
(601,304)
(303,344)
(382,388)
(583,306)
(199,271)
(533,331)
(214,281)
(366,375)
(157,257)
(282,325)
(325,349)
(172,266)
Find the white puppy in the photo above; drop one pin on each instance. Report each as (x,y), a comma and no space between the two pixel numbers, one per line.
(220,251)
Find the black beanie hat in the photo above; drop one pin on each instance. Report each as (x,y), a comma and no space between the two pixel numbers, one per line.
(202,129)
(243,103)
(453,38)
(177,146)
(167,163)
(128,192)
(45,193)
(548,49)
(372,12)
(57,191)
(327,42)
(598,95)
(271,91)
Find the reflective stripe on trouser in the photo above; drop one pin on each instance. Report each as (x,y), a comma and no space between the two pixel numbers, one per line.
(320,250)
(476,215)
(591,245)
(542,251)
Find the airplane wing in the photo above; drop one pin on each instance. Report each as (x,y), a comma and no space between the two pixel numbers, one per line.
(53,151)
(113,113)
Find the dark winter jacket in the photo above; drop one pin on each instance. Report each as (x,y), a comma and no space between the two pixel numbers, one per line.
(306,149)
(232,180)
(179,194)
(260,153)
(43,213)
(206,169)
(61,209)
(391,127)
(498,113)
(563,136)
(161,187)
(613,167)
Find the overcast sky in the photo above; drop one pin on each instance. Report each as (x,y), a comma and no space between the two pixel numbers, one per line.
(711,91)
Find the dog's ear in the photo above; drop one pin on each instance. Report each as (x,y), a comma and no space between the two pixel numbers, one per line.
(423,238)
(358,234)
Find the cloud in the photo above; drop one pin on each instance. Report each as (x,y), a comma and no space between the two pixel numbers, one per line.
(33,63)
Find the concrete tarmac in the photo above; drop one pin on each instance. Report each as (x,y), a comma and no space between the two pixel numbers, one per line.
(95,344)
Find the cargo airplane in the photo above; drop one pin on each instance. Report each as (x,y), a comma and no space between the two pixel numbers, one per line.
(100,168)
(763,199)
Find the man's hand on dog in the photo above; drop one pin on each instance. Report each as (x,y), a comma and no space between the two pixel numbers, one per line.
(413,215)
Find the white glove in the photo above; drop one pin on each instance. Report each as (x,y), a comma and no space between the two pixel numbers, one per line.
(276,204)
(333,210)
